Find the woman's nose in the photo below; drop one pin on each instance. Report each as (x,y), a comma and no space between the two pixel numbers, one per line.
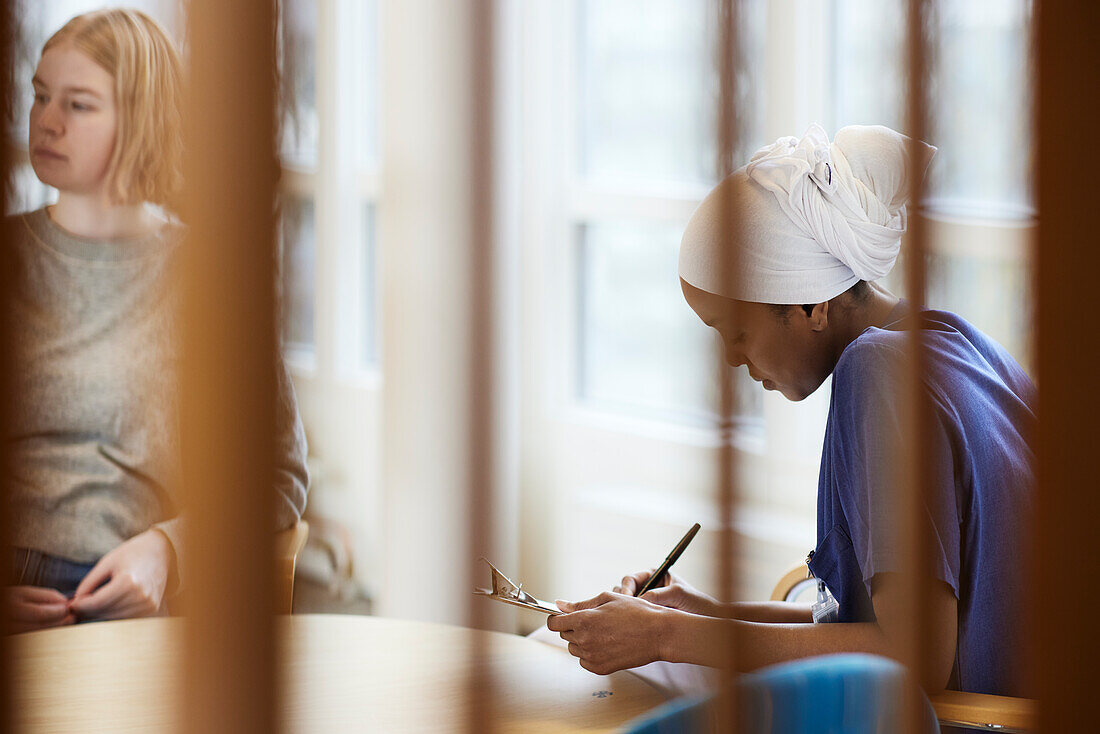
(49,119)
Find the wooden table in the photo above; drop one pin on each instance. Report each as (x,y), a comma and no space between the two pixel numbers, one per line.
(343,673)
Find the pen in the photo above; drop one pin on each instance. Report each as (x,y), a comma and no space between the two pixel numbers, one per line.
(652,580)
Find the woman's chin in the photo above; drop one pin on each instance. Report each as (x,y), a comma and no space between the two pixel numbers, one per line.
(47,175)
(795,396)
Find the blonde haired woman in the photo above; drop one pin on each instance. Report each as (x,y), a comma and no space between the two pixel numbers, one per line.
(94,446)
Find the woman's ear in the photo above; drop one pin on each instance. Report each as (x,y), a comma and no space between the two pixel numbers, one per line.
(819,317)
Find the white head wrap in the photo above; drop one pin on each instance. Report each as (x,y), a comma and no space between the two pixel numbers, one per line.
(812,217)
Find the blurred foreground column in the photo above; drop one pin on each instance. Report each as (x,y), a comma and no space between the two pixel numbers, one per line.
(229,377)
(730,127)
(7,95)
(1067,602)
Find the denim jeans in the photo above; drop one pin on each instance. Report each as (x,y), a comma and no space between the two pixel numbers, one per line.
(34,568)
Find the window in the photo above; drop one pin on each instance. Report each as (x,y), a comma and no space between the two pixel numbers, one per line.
(299,81)
(298,148)
(982,108)
(369,343)
(978,95)
(646,91)
(645,95)
(979,187)
(329,185)
(637,353)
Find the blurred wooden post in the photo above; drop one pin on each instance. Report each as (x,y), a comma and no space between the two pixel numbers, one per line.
(8,30)
(728,129)
(917,416)
(229,369)
(1067,598)
(480,325)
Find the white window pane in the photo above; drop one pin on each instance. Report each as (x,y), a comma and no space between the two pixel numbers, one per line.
(981,113)
(642,349)
(369,341)
(648,88)
(297,273)
(870,62)
(298,77)
(992,294)
(364,67)
(978,95)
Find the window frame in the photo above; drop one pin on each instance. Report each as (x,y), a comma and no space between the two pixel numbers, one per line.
(588,201)
(555,202)
(991,233)
(342,188)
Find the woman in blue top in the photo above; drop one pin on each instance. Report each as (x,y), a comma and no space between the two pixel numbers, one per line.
(817,222)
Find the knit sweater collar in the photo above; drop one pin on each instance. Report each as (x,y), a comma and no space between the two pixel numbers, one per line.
(116,250)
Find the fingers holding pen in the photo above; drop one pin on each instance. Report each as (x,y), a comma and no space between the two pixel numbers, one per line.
(631,583)
(616,630)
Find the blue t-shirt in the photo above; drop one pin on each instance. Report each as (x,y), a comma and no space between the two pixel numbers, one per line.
(981,465)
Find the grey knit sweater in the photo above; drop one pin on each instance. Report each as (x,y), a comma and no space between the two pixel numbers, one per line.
(95,437)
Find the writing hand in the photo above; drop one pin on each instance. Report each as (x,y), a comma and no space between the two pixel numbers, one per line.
(672,592)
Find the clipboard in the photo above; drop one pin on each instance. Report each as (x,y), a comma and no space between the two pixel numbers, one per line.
(504,590)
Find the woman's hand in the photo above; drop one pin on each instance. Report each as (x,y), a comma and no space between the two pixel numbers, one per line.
(673,592)
(129,581)
(30,608)
(612,631)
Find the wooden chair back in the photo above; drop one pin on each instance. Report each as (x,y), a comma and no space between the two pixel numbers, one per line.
(288,544)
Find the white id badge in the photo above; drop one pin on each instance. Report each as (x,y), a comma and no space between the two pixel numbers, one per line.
(826,608)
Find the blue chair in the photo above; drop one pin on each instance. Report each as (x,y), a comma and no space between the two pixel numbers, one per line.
(832,694)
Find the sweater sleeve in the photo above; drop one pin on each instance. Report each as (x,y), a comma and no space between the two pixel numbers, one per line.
(291,473)
(173,530)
